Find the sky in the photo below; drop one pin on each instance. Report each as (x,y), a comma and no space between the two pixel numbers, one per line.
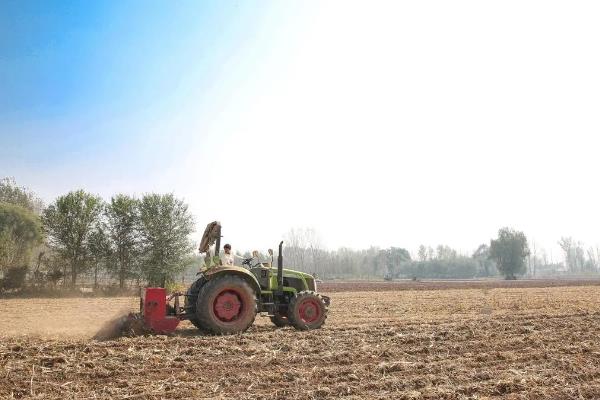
(375,123)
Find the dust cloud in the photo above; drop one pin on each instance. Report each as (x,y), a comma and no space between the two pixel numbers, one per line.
(61,318)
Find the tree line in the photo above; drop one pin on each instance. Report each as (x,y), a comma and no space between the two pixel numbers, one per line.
(146,240)
(504,256)
(509,255)
(143,240)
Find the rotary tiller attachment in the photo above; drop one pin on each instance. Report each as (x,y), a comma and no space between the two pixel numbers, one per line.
(131,324)
(155,317)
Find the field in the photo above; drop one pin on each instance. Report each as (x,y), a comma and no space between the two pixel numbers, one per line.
(458,343)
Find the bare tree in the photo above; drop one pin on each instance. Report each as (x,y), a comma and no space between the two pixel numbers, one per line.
(430,253)
(579,257)
(422,253)
(305,249)
(532,258)
(566,244)
(295,248)
(592,260)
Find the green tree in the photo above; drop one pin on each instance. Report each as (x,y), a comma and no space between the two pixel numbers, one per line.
(391,260)
(165,226)
(14,278)
(20,232)
(509,251)
(20,196)
(99,251)
(69,222)
(123,222)
(482,256)
(459,267)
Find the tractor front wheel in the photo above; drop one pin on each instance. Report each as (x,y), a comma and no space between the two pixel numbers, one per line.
(307,310)
(226,304)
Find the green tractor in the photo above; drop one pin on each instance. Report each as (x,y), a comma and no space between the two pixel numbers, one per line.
(226,299)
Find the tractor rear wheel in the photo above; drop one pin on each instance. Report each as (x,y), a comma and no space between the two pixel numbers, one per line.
(307,310)
(190,302)
(280,321)
(226,304)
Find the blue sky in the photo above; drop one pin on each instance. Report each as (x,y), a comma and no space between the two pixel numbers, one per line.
(404,120)
(82,80)
(123,96)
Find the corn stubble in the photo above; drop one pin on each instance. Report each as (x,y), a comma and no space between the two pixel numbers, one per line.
(525,343)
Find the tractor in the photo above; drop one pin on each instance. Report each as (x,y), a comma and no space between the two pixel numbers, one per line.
(225,299)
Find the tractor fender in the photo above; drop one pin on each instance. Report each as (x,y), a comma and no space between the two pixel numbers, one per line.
(233,270)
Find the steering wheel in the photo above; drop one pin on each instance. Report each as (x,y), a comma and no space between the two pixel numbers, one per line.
(247,262)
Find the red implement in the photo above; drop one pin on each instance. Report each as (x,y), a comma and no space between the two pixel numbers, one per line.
(154,310)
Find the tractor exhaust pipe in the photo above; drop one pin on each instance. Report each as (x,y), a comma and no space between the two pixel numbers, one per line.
(280,267)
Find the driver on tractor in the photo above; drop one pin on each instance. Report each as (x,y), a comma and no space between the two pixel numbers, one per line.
(228,256)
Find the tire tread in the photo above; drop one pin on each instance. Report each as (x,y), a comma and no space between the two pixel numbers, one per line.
(203,313)
(297,322)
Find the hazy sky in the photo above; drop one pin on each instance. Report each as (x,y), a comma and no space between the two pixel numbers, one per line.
(377,123)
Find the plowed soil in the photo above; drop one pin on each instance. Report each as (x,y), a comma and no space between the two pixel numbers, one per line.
(430,284)
(515,343)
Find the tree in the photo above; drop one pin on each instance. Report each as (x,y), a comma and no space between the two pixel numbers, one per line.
(459,267)
(123,222)
(315,252)
(100,251)
(422,253)
(390,260)
(397,257)
(384,263)
(533,262)
(482,256)
(165,226)
(69,221)
(14,278)
(579,256)
(509,252)
(592,262)
(430,253)
(49,268)
(304,250)
(20,232)
(566,244)
(446,253)
(20,196)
